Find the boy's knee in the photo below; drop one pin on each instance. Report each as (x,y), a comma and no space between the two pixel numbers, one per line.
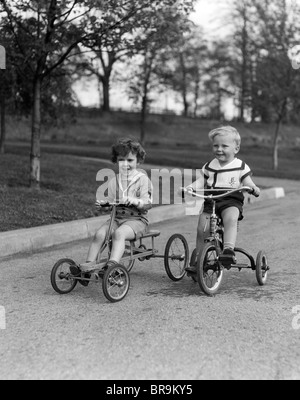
(118,235)
(99,236)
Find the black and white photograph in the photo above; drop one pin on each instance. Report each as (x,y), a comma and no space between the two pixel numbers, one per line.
(149,193)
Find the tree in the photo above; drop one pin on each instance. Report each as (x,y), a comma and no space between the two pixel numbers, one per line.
(278,81)
(106,51)
(46,34)
(159,35)
(243,39)
(185,67)
(2,97)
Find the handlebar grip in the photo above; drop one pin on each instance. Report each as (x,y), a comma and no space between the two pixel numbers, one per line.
(98,204)
(252,192)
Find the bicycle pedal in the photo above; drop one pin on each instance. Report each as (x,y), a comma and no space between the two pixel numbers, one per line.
(227,260)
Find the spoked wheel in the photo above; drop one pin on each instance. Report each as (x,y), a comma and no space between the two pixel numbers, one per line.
(176,257)
(262,268)
(106,251)
(194,262)
(62,280)
(116,283)
(209,271)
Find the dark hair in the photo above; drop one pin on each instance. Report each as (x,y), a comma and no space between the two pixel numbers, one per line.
(125,146)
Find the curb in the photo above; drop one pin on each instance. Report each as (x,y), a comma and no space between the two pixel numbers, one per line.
(37,238)
(34,239)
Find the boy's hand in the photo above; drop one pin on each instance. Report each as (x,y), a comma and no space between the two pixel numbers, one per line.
(131,201)
(100,205)
(256,191)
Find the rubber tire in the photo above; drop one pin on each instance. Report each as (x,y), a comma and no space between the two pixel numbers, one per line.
(167,256)
(261,259)
(53,276)
(209,247)
(105,283)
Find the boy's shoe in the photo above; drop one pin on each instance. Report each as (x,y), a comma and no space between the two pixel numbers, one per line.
(106,266)
(227,258)
(75,271)
(192,267)
(110,264)
(88,266)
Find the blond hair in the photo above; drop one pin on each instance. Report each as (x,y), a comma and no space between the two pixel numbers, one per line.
(226,130)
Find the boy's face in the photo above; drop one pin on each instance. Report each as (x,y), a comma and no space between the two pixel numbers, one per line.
(127,164)
(225,148)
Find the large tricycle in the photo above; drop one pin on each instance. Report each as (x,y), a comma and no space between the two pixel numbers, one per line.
(210,265)
(116,278)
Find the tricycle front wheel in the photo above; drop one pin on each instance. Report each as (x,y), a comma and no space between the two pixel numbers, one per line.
(209,271)
(176,257)
(116,283)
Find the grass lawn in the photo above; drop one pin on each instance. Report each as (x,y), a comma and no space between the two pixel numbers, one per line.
(68,191)
(69,183)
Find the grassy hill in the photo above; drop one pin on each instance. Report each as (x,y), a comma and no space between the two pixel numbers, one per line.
(170,140)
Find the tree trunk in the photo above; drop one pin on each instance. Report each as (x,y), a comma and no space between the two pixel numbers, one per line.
(2,112)
(2,125)
(184,86)
(144,110)
(106,99)
(143,117)
(276,145)
(244,64)
(35,155)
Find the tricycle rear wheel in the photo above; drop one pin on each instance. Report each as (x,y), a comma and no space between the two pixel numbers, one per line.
(176,257)
(262,268)
(61,278)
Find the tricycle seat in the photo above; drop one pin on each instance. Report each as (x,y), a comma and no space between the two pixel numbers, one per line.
(149,234)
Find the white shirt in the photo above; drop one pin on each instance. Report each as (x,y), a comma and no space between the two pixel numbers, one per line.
(229,176)
(215,176)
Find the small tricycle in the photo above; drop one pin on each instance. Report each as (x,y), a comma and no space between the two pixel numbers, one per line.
(116,279)
(210,265)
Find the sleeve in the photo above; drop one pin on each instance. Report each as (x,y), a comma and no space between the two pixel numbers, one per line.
(146,190)
(112,190)
(245,172)
(199,183)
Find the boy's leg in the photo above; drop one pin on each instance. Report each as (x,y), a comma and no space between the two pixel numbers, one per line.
(96,244)
(202,235)
(120,236)
(230,217)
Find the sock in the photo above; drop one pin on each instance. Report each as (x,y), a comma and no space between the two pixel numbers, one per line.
(228,245)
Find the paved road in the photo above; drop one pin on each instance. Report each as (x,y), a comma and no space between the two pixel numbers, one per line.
(162,329)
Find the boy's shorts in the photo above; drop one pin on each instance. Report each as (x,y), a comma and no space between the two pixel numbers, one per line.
(221,205)
(139,227)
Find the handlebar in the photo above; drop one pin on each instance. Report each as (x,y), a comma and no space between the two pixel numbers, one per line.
(107,204)
(191,192)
